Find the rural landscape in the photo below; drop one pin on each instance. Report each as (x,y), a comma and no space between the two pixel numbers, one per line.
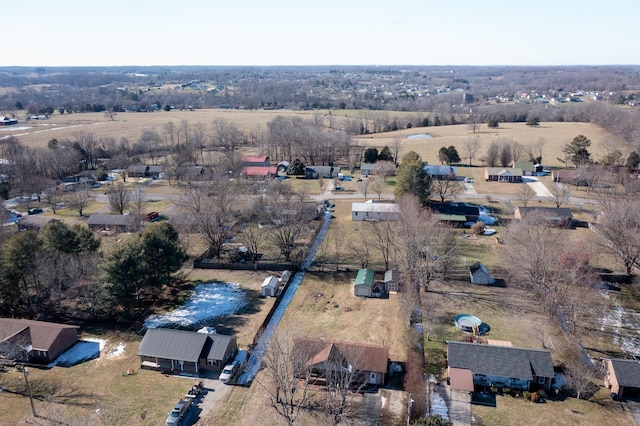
(320,245)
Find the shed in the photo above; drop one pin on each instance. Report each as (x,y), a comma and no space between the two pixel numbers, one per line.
(363,285)
(284,278)
(269,286)
(391,280)
(479,274)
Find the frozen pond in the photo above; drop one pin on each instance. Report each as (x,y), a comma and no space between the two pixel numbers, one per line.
(420,136)
(208,300)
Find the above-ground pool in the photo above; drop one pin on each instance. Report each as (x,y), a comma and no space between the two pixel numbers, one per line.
(470,323)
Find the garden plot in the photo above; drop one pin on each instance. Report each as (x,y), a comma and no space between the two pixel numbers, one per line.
(209,300)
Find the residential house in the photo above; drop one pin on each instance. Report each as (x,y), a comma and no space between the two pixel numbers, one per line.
(379,168)
(325,358)
(114,223)
(503,174)
(145,171)
(34,222)
(391,280)
(35,341)
(183,351)
(527,167)
(317,172)
(6,121)
(442,172)
(455,214)
(255,160)
(371,210)
(270,286)
(473,365)
(259,172)
(479,274)
(364,284)
(559,216)
(623,377)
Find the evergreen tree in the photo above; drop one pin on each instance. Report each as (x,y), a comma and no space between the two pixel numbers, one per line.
(577,151)
(413,178)
(385,154)
(296,168)
(633,160)
(371,155)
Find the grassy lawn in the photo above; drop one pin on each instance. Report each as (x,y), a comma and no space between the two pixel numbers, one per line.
(515,412)
(62,394)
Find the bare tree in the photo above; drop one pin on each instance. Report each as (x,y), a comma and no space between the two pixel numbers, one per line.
(396,147)
(364,186)
(137,200)
(559,193)
(378,186)
(338,237)
(209,208)
(525,194)
(359,246)
(78,200)
(253,237)
(228,138)
(619,227)
(493,154)
(287,375)
(445,188)
(291,220)
(384,235)
(471,146)
(118,196)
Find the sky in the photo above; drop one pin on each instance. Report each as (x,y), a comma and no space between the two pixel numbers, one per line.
(327,32)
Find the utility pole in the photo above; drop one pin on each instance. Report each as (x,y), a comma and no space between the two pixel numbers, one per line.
(25,372)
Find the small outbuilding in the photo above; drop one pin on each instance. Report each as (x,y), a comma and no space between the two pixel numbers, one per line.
(270,286)
(391,280)
(363,285)
(479,274)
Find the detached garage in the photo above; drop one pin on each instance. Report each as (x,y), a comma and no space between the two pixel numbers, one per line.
(363,285)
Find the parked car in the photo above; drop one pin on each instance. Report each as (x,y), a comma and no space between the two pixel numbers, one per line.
(35,211)
(468,180)
(179,411)
(229,371)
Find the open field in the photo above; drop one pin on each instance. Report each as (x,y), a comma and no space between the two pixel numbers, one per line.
(131,125)
(556,135)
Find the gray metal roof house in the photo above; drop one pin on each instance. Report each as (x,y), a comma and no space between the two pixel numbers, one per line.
(111,222)
(185,351)
(499,366)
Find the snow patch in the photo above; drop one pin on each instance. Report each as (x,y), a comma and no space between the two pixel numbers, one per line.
(208,301)
(117,351)
(623,326)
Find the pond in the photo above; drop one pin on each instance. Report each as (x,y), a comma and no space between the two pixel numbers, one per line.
(420,136)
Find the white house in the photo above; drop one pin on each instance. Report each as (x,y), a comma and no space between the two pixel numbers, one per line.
(270,286)
(371,210)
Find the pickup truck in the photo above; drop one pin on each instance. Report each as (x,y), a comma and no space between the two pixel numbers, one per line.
(179,411)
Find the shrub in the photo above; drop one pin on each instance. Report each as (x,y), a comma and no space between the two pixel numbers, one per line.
(526,395)
(478,228)
(535,397)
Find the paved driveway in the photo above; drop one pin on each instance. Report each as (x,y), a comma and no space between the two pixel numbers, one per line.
(633,407)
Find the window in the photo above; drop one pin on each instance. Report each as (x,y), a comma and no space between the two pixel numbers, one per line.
(541,380)
(212,361)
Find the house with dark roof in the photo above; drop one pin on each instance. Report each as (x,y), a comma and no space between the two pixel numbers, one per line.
(316,172)
(35,341)
(324,358)
(144,171)
(503,174)
(623,377)
(183,351)
(456,214)
(111,222)
(34,222)
(558,216)
(364,284)
(479,274)
(472,365)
